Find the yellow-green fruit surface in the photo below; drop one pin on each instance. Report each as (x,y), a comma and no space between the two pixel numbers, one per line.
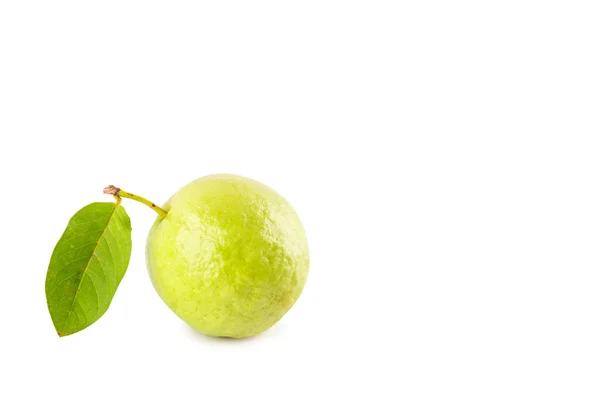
(230,258)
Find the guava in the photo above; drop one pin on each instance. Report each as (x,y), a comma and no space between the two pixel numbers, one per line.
(230,257)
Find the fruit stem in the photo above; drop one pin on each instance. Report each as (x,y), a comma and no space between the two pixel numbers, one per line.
(118,193)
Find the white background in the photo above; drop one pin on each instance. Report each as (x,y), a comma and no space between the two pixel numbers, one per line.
(444,157)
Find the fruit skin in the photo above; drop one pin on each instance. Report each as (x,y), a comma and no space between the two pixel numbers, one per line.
(231,256)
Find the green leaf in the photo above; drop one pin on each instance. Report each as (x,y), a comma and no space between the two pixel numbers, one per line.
(87,265)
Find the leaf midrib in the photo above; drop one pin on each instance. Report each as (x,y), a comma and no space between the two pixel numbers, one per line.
(86,268)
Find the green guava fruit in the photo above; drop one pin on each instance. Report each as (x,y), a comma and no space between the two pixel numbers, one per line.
(230,258)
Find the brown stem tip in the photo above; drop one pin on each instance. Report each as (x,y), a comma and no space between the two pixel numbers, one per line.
(110,189)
